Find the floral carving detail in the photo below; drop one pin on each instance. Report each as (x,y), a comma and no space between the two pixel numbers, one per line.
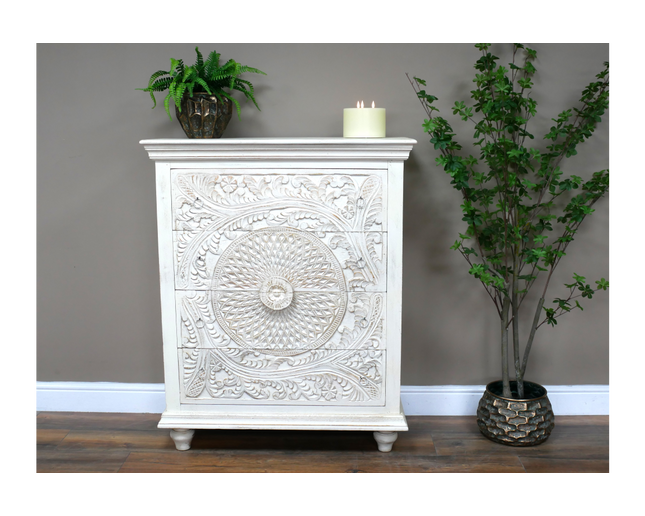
(228,184)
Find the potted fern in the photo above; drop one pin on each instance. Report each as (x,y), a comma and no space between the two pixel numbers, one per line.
(203,105)
(522,213)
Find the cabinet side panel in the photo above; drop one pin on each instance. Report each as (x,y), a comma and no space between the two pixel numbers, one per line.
(394,284)
(167,284)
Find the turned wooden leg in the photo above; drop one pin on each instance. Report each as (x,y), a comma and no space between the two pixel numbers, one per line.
(182,438)
(385,440)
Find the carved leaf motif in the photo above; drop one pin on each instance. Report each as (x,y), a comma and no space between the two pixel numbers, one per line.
(372,240)
(371,193)
(195,368)
(198,323)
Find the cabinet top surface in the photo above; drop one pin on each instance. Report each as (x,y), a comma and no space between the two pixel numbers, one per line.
(279,148)
(299,140)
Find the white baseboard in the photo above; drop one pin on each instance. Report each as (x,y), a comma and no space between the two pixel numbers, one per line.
(462,400)
(100,397)
(430,400)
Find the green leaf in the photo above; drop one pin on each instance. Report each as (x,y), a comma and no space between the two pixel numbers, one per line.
(550,316)
(428,98)
(603,284)
(429,126)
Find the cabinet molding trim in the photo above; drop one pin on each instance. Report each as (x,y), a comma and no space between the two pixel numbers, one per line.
(281,149)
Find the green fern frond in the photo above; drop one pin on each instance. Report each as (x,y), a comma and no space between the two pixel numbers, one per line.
(189,74)
(228,67)
(162,84)
(237,104)
(166,104)
(174,64)
(220,76)
(236,72)
(212,63)
(199,64)
(244,83)
(203,84)
(151,89)
(245,69)
(248,95)
(240,86)
(155,76)
(179,93)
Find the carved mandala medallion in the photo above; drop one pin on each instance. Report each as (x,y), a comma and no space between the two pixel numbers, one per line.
(280,290)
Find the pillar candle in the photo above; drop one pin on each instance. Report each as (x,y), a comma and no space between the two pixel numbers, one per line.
(360,122)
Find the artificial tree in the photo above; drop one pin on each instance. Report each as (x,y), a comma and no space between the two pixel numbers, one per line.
(515,195)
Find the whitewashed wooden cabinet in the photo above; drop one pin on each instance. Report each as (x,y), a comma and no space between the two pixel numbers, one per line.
(280,266)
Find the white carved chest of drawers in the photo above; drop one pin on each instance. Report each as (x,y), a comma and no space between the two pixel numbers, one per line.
(280,268)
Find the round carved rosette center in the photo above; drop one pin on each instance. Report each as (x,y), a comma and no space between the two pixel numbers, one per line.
(276,293)
(280,290)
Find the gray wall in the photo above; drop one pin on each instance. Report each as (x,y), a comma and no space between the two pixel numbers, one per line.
(98,299)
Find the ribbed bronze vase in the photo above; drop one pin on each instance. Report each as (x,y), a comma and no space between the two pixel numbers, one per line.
(516,422)
(203,115)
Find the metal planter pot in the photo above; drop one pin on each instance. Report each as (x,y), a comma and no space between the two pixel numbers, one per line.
(515,422)
(203,115)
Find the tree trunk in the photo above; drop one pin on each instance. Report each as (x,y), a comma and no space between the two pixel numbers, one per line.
(536,320)
(505,377)
(516,336)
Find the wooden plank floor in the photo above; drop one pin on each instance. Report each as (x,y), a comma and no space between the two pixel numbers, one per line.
(132,443)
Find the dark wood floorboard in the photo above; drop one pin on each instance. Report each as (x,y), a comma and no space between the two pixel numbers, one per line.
(132,443)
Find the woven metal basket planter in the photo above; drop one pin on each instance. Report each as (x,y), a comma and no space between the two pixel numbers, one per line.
(516,422)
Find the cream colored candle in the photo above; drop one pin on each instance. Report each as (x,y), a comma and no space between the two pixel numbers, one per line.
(361,122)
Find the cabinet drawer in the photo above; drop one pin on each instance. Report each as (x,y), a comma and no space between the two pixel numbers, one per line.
(317,377)
(312,320)
(242,260)
(311,200)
